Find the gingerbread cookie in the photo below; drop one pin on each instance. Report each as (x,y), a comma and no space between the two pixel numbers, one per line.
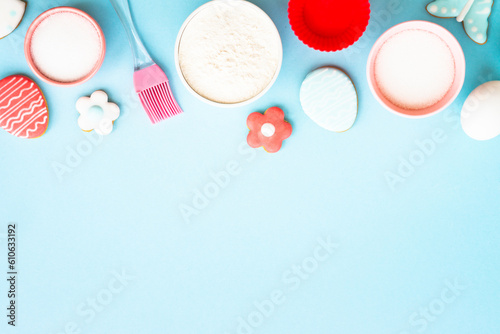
(268,130)
(96,113)
(11,15)
(329,98)
(480,116)
(23,109)
(473,14)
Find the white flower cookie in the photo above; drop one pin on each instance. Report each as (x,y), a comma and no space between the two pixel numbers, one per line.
(96,113)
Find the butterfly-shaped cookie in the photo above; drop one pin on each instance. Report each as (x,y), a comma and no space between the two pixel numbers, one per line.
(473,14)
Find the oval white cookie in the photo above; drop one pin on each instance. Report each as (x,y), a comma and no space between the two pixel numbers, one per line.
(11,14)
(329,98)
(480,116)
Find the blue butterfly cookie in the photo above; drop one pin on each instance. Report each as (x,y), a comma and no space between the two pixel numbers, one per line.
(473,14)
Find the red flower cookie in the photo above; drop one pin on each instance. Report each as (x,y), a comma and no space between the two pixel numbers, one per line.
(268,129)
(23,109)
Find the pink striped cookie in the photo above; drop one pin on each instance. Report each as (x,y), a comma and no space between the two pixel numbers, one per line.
(23,109)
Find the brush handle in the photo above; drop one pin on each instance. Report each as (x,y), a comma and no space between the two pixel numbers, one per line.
(142,59)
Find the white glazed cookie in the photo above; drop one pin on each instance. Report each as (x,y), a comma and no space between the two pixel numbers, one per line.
(481,112)
(96,113)
(329,98)
(11,14)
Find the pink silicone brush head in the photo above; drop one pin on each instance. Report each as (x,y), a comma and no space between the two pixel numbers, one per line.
(151,84)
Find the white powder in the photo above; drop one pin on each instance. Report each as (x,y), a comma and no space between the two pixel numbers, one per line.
(65,47)
(230,52)
(415,69)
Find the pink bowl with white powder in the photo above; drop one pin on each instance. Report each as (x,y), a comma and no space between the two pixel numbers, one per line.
(65,46)
(416,69)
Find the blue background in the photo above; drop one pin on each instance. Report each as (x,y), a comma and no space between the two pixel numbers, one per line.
(118,209)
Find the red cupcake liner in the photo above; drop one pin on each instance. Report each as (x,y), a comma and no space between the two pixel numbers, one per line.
(329,25)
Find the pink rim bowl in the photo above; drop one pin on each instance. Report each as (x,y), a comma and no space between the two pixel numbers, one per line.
(34,26)
(456,51)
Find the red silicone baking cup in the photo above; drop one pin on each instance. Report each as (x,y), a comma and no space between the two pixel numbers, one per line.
(329,25)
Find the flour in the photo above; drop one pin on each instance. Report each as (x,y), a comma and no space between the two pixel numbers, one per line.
(230,52)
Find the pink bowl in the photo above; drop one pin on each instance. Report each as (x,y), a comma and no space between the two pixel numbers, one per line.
(456,51)
(40,19)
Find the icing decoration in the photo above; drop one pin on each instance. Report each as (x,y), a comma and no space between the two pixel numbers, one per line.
(23,109)
(11,15)
(329,98)
(481,112)
(268,130)
(473,14)
(96,113)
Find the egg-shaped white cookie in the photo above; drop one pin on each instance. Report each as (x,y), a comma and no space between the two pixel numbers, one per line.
(329,98)
(481,112)
(11,14)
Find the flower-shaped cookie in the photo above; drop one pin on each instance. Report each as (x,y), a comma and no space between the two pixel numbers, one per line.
(268,129)
(96,113)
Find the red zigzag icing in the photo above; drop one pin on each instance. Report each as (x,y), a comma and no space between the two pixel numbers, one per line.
(23,109)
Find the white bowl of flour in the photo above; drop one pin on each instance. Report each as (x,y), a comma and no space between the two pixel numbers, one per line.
(228,53)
